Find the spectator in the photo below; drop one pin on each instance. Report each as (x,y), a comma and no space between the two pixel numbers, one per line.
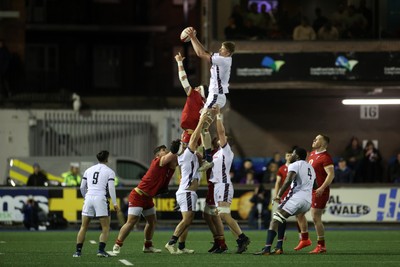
(338,19)
(355,24)
(237,14)
(394,170)
(233,31)
(251,31)
(256,17)
(246,175)
(304,31)
(249,178)
(371,169)
(30,210)
(328,32)
(276,158)
(270,173)
(5,60)
(37,178)
(343,174)
(72,177)
(353,155)
(260,200)
(319,21)
(367,13)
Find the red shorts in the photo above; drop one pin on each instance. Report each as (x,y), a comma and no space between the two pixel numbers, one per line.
(320,202)
(137,200)
(210,194)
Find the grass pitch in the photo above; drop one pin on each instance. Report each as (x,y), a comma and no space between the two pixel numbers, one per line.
(55,248)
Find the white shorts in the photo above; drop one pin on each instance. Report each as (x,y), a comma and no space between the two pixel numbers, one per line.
(295,206)
(96,206)
(187,201)
(137,211)
(223,192)
(215,99)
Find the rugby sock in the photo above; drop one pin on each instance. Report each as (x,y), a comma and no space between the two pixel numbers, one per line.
(173,240)
(148,243)
(102,246)
(181,245)
(208,155)
(304,236)
(240,239)
(270,237)
(79,247)
(281,234)
(221,242)
(119,242)
(321,241)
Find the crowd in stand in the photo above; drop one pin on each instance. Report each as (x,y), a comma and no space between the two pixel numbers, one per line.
(252,21)
(356,164)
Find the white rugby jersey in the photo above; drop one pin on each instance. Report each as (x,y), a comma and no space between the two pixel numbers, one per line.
(222,160)
(302,184)
(189,164)
(220,74)
(98,180)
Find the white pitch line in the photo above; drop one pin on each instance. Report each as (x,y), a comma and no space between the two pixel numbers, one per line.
(126,262)
(2,242)
(111,253)
(92,242)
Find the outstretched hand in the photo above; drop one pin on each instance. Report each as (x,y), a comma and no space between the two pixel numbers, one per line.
(179,57)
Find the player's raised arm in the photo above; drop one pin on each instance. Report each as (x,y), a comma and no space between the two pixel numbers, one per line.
(182,74)
(197,46)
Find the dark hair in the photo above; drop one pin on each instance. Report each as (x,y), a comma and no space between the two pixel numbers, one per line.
(301,152)
(102,156)
(158,149)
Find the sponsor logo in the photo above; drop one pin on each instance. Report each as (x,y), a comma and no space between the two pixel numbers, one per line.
(337,208)
(343,66)
(275,65)
(389,206)
(343,62)
(269,67)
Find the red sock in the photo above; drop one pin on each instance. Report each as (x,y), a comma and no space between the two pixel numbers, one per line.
(148,243)
(321,242)
(221,243)
(304,236)
(119,242)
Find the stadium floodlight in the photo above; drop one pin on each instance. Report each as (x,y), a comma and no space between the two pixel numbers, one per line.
(376,101)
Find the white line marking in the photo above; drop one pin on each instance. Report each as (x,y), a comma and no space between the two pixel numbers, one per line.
(92,242)
(126,262)
(2,242)
(111,253)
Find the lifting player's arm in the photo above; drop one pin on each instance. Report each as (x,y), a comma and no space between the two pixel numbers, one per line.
(171,155)
(220,128)
(194,138)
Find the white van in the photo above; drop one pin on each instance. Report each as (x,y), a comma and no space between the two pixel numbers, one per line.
(129,171)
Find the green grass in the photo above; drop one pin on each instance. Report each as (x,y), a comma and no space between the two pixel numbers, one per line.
(55,248)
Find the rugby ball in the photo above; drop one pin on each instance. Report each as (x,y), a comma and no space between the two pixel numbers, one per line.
(184,36)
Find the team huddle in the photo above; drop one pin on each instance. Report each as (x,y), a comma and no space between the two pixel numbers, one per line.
(305,186)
